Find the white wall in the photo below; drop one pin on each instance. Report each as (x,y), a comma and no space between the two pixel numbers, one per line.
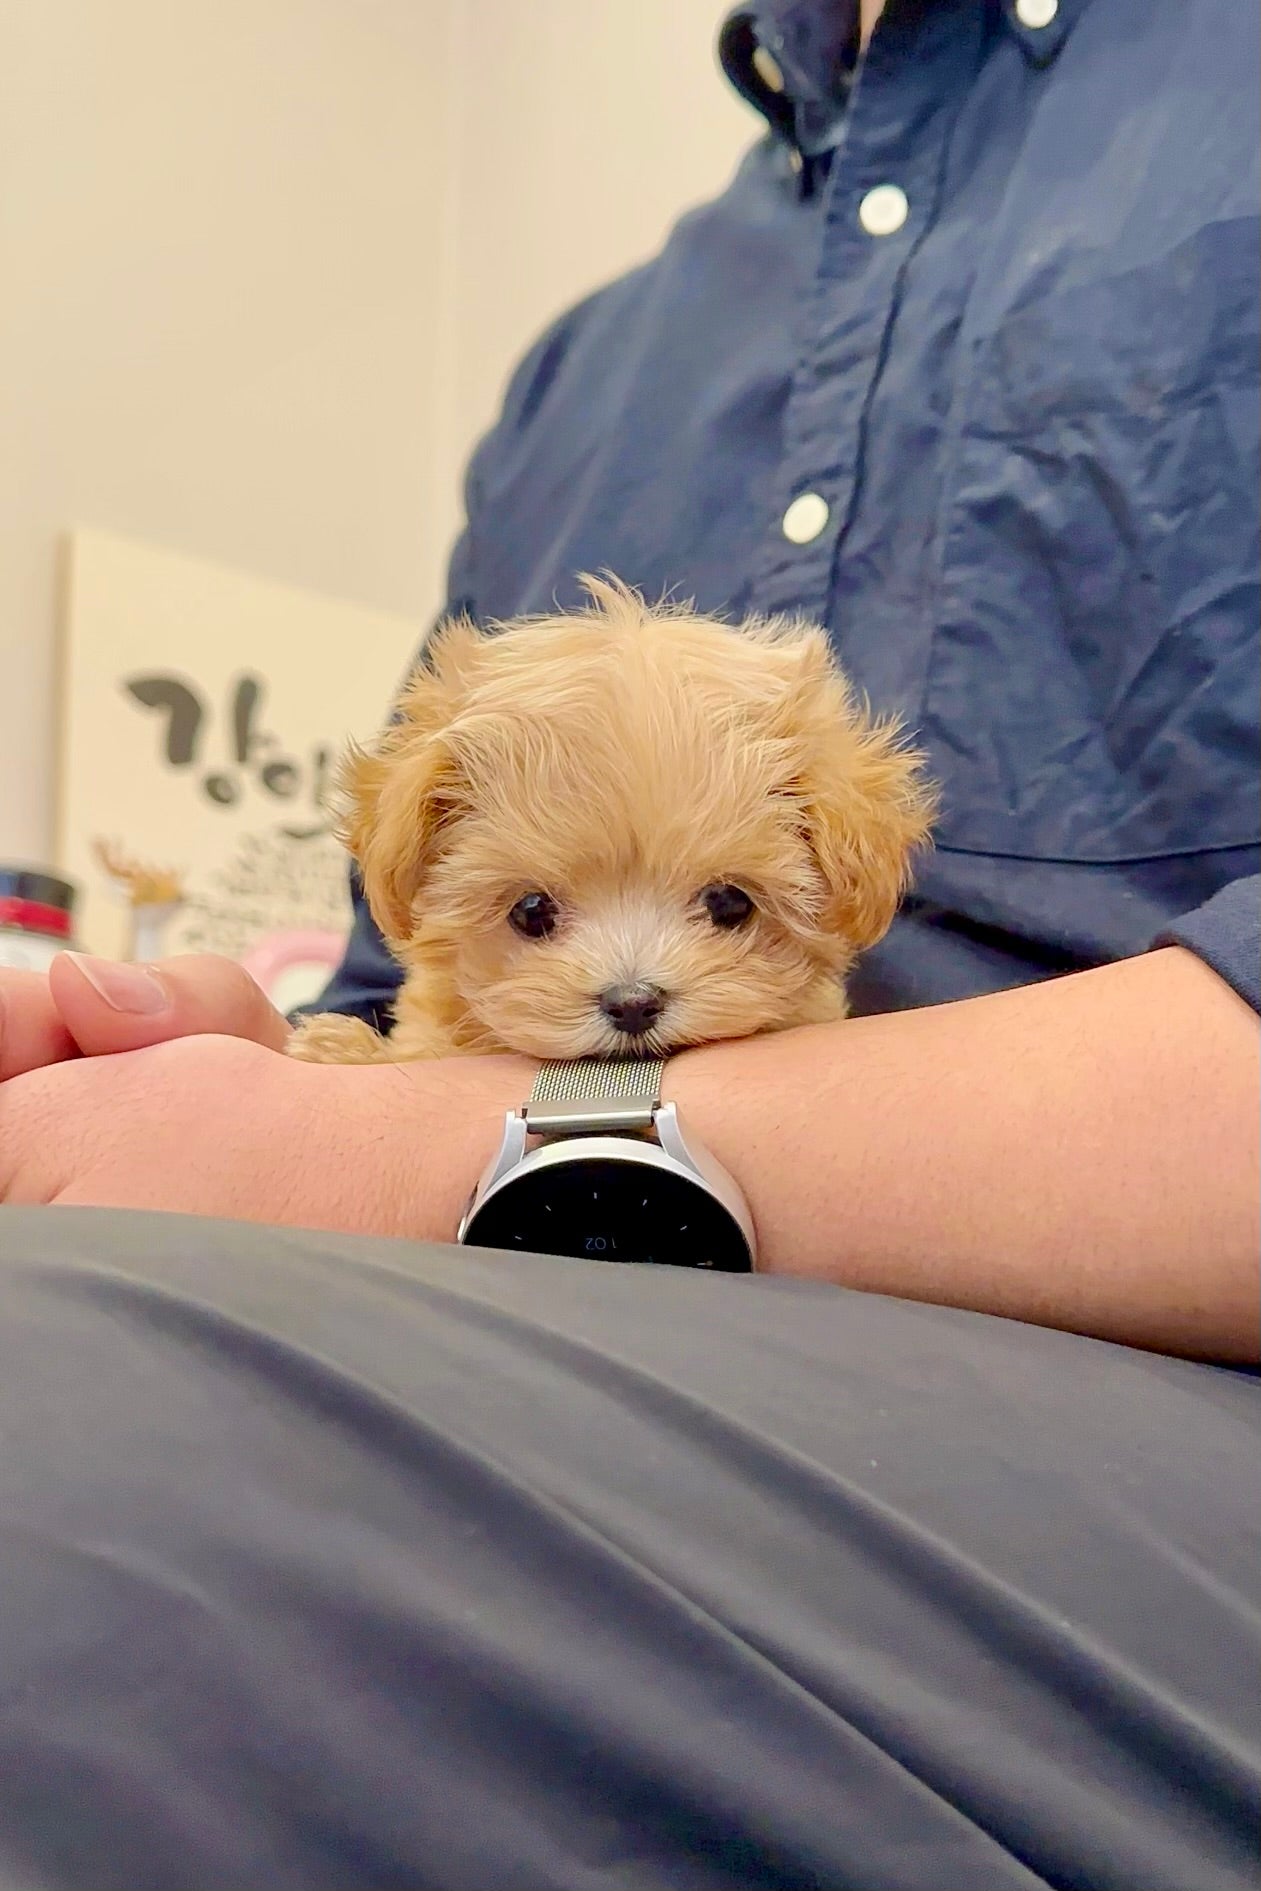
(265,264)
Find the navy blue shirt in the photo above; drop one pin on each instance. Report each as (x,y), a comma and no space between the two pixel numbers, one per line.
(964,365)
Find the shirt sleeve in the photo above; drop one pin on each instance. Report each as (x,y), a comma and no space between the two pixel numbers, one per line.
(1226,934)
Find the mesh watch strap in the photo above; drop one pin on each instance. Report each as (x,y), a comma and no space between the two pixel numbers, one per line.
(595,1095)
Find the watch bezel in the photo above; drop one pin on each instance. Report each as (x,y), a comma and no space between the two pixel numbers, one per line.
(514,1162)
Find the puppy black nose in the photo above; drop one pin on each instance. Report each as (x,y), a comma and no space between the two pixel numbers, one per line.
(632,1008)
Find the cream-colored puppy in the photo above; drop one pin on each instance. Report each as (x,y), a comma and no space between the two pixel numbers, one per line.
(620,831)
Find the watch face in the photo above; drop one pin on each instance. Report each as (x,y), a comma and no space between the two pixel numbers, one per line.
(602,1210)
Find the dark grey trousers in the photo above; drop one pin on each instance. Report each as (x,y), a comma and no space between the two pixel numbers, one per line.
(330,1563)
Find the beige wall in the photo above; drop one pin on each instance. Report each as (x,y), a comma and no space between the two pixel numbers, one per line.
(266,262)
(588,126)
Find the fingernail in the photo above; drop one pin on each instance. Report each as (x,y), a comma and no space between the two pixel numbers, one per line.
(131,988)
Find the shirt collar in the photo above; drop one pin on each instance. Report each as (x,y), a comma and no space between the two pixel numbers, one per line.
(812,44)
(794,59)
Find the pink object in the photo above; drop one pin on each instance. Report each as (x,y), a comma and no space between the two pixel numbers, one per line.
(283,960)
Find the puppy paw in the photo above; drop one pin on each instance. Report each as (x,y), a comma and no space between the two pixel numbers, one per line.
(332,1038)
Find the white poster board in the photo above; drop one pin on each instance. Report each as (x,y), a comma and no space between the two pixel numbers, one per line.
(202,715)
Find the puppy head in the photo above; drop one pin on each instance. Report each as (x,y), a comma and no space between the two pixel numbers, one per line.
(629,829)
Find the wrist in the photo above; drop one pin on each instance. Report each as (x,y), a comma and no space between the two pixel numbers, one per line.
(447,1120)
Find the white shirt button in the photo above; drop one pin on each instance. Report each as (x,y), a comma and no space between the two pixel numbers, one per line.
(767,68)
(884,210)
(1036,14)
(805,518)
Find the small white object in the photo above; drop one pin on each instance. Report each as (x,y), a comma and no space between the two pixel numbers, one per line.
(28,951)
(1035,14)
(767,68)
(805,518)
(884,210)
(148,930)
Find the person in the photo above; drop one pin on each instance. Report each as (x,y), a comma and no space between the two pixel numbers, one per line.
(338,1561)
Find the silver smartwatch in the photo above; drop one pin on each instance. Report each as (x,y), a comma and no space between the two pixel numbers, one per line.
(595,1165)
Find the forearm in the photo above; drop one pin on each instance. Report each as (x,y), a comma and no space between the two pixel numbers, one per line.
(1082,1153)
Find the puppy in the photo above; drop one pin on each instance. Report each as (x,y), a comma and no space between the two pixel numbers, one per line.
(622,831)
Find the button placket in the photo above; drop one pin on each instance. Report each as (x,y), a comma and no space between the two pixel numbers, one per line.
(881,170)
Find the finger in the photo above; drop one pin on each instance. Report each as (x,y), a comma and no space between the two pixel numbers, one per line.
(110,1007)
(32,1030)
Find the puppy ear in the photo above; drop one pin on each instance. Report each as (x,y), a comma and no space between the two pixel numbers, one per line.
(402,792)
(867,802)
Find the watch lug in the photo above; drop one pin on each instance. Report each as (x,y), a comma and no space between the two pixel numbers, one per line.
(670,1136)
(509,1154)
(707,1170)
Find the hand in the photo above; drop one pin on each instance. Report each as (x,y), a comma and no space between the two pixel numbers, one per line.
(221,1127)
(91,1007)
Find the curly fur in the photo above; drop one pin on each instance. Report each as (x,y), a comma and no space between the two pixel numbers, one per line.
(620,759)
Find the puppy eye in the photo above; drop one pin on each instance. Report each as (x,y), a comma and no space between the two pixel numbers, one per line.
(534,916)
(727,905)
